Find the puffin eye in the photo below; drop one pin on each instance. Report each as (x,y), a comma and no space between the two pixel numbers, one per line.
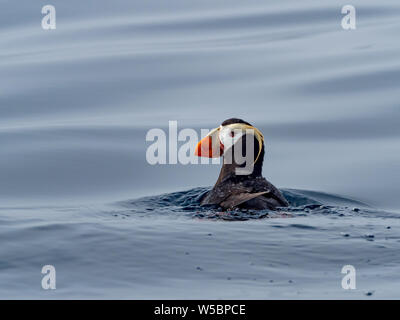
(232,134)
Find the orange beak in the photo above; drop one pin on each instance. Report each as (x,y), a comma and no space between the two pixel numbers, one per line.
(210,146)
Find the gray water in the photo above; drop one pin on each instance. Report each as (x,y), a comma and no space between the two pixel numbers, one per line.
(75,106)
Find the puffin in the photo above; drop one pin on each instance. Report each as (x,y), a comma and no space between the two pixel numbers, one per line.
(240,184)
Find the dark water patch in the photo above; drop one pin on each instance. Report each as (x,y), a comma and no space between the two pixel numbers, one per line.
(236,215)
(302,226)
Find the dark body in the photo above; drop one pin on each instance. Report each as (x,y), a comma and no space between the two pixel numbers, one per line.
(251,191)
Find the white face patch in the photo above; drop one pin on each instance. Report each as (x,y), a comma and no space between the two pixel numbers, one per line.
(229,136)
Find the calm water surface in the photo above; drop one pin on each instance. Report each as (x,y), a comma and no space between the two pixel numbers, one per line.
(76,191)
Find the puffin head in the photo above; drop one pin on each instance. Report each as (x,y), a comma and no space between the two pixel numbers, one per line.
(233,139)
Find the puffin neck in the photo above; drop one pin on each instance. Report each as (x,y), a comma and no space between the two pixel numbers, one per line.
(228,170)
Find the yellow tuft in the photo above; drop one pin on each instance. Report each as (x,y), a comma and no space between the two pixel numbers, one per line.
(257,133)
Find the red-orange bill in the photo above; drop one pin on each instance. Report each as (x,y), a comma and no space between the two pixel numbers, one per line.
(209,147)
